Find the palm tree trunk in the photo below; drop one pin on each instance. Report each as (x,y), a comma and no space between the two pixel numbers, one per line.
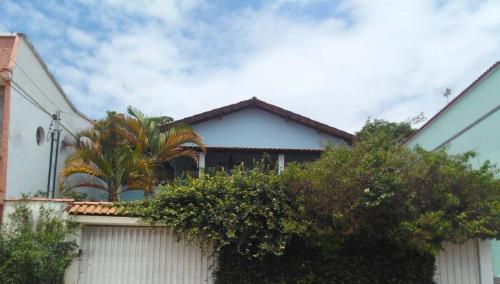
(113,194)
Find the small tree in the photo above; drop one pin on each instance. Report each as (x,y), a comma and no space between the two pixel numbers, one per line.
(35,251)
(123,152)
(158,146)
(103,160)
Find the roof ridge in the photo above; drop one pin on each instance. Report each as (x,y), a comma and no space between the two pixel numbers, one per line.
(255,102)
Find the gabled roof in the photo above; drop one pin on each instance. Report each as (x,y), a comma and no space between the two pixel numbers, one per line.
(256,103)
(455,100)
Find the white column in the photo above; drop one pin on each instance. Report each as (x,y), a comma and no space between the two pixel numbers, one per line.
(201,164)
(281,162)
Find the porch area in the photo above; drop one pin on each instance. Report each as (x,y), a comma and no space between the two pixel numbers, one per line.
(227,158)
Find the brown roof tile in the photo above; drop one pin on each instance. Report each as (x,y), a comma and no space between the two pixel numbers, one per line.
(92,208)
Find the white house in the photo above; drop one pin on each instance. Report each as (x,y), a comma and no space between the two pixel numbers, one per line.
(244,131)
(29,98)
(247,131)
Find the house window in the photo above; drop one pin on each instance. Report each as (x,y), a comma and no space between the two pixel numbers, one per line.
(40,136)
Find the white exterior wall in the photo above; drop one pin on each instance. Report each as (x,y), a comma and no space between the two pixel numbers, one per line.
(124,254)
(34,205)
(256,128)
(122,250)
(461,264)
(27,167)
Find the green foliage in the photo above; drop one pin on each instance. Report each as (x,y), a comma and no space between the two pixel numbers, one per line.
(250,210)
(359,260)
(160,120)
(124,152)
(376,212)
(35,252)
(383,134)
(75,195)
(389,191)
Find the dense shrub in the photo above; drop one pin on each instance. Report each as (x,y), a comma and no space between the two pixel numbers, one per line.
(35,252)
(387,191)
(375,212)
(249,209)
(358,260)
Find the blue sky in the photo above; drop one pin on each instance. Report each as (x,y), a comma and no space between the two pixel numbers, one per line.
(335,61)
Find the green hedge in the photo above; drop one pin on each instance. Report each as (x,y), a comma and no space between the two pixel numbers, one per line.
(376,212)
(359,260)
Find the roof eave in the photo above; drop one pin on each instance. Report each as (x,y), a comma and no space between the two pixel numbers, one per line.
(256,103)
(51,76)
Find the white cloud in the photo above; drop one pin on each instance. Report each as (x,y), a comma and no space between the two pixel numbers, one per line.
(81,38)
(388,59)
(170,11)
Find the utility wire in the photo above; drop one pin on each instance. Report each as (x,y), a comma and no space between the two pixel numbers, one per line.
(43,93)
(36,86)
(7,26)
(72,114)
(34,102)
(30,99)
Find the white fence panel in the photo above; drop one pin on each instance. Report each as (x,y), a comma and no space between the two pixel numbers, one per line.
(114,254)
(468,263)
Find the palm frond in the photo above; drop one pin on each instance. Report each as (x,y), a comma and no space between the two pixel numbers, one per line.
(81,168)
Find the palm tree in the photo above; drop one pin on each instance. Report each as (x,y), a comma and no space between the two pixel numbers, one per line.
(158,147)
(101,161)
(124,152)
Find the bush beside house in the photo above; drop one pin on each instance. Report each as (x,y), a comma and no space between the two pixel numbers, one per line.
(377,212)
(35,250)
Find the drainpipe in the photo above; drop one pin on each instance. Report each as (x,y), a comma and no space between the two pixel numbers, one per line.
(55,135)
(50,161)
(58,135)
(57,129)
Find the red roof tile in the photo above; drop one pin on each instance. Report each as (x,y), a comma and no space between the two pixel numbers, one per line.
(93,208)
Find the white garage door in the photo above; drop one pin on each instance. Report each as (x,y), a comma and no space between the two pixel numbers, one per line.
(140,255)
(458,264)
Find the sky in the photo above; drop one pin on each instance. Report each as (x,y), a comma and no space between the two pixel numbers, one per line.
(338,62)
